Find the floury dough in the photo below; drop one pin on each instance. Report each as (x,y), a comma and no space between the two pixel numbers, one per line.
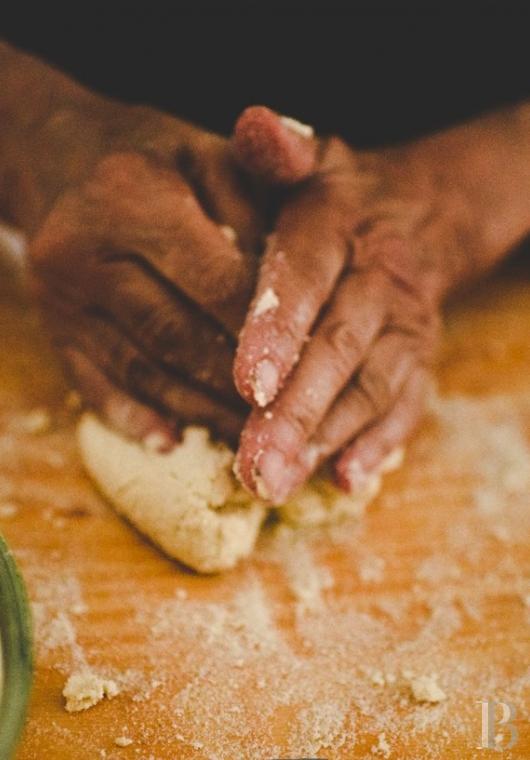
(186,501)
(189,502)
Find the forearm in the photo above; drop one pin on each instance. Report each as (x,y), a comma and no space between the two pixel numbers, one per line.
(48,135)
(482,169)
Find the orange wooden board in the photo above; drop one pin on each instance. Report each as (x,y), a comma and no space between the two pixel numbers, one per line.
(308,648)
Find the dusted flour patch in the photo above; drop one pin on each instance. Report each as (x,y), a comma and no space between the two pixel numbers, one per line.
(268,302)
(304,130)
(426,689)
(186,501)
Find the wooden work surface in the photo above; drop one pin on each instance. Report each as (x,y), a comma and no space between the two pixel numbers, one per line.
(307,649)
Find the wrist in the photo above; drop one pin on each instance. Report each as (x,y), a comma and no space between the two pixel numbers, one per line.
(52,129)
(479,175)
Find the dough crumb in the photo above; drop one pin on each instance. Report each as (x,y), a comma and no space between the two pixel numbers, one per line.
(123,741)
(155,441)
(377,678)
(372,569)
(85,689)
(37,422)
(228,232)
(8,510)
(267,302)
(260,397)
(304,130)
(426,689)
(382,747)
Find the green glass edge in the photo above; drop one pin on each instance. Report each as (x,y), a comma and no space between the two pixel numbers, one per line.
(16,636)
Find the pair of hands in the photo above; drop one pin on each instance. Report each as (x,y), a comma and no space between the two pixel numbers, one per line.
(150,276)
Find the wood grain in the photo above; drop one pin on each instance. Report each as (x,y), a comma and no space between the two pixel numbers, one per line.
(425,579)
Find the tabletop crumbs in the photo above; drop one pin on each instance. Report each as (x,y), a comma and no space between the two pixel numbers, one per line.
(382,747)
(123,741)
(426,689)
(8,510)
(85,689)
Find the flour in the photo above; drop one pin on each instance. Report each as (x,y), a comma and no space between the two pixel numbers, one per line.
(268,301)
(304,130)
(426,689)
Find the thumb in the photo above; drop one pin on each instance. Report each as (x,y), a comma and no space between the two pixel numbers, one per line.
(276,148)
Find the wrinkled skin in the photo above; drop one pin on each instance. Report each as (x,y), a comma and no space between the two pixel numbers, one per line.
(144,294)
(141,287)
(363,252)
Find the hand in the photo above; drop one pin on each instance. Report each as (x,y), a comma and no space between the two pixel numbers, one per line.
(335,351)
(144,268)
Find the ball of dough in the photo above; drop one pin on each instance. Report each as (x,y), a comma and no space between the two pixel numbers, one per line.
(186,501)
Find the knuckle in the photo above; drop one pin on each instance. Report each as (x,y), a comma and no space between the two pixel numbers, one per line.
(137,375)
(158,330)
(299,416)
(376,387)
(120,169)
(343,341)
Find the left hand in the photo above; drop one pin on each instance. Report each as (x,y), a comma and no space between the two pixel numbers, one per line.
(365,247)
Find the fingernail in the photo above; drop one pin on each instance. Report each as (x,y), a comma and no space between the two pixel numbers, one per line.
(158,441)
(353,477)
(310,456)
(273,477)
(264,382)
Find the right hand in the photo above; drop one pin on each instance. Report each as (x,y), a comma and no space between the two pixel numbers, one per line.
(141,280)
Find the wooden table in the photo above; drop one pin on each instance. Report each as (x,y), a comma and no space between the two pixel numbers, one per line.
(309,648)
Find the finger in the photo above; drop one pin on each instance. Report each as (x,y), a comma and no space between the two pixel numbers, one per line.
(301,265)
(372,393)
(373,452)
(231,197)
(276,148)
(165,326)
(173,397)
(378,449)
(117,409)
(329,361)
(131,205)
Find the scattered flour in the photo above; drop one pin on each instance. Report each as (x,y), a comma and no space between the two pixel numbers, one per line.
(123,741)
(382,747)
(426,689)
(8,510)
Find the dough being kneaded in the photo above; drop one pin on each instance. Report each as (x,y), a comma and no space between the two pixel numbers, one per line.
(189,502)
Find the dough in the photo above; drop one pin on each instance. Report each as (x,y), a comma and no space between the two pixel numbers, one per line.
(85,689)
(189,502)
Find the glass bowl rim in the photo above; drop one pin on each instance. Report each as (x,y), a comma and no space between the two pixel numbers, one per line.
(16,651)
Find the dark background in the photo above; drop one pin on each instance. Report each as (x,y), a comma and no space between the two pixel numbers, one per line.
(374,74)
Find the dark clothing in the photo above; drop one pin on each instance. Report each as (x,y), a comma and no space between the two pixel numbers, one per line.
(371,76)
